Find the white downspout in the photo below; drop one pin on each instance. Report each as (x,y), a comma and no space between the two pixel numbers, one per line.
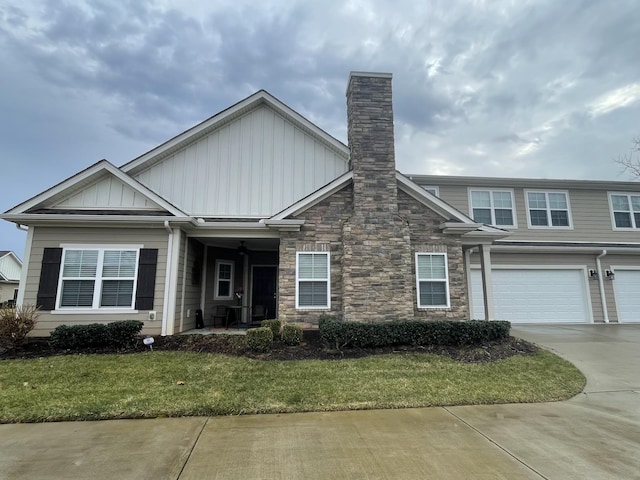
(25,264)
(601,285)
(165,304)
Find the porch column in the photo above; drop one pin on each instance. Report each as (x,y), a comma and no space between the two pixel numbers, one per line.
(467,273)
(487,283)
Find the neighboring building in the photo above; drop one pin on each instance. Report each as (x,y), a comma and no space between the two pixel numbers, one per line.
(258,206)
(574,250)
(10,268)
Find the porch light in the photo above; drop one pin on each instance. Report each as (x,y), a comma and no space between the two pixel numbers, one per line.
(242,249)
(610,274)
(593,275)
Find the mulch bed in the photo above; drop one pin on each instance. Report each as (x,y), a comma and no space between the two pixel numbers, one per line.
(311,349)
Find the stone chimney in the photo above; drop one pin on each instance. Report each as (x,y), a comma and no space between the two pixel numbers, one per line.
(371,141)
(377,258)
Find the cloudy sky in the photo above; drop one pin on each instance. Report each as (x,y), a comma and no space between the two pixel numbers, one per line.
(513,88)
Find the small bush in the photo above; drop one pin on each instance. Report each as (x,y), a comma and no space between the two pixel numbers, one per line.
(338,334)
(274,325)
(16,323)
(96,335)
(292,334)
(260,339)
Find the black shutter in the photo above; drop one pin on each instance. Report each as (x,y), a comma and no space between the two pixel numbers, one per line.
(146,278)
(49,274)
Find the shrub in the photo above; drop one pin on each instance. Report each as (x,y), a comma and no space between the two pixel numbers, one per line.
(274,325)
(16,323)
(96,335)
(260,339)
(339,334)
(292,334)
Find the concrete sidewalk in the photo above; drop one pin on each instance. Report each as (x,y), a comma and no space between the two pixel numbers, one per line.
(595,435)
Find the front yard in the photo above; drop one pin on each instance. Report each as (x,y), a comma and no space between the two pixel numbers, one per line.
(177,383)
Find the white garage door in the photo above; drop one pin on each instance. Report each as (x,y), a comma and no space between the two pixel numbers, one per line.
(534,295)
(626,287)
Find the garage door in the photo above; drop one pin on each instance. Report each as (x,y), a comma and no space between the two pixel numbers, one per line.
(534,295)
(626,287)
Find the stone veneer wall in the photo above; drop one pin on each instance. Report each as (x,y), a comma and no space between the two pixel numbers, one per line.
(427,237)
(321,232)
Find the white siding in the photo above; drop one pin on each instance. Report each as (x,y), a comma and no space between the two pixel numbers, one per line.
(255,166)
(108,192)
(10,268)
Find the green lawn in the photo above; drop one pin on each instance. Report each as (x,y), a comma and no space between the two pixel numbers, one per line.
(156,384)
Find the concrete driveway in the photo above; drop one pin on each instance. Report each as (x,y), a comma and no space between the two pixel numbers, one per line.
(595,435)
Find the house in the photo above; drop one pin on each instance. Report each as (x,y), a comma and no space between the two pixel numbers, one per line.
(257,206)
(574,250)
(10,268)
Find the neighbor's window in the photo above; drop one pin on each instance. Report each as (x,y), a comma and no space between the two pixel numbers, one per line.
(433,280)
(493,207)
(224,279)
(432,190)
(312,280)
(626,210)
(98,278)
(548,209)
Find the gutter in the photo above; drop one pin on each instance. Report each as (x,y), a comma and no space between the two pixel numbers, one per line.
(601,285)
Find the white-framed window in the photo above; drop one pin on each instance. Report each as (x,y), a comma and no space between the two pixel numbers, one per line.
(493,207)
(432,280)
(548,209)
(224,280)
(625,210)
(97,278)
(433,190)
(313,289)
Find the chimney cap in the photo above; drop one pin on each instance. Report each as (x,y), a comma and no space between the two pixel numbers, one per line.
(367,74)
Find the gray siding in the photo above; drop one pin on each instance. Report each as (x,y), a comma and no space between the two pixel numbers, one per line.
(55,236)
(189,284)
(590,213)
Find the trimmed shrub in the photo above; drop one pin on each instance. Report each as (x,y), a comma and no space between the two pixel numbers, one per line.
(16,323)
(292,334)
(96,335)
(338,334)
(274,325)
(260,339)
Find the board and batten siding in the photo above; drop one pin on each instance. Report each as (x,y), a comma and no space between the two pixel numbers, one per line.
(47,237)
(256,165)
(10,268)
(108,192)
(590,215)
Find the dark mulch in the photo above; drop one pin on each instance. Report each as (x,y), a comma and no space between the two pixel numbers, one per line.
(311,349)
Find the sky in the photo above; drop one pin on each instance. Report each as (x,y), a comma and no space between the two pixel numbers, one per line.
(509,88)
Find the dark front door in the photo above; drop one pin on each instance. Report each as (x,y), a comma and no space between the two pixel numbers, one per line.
(264,289)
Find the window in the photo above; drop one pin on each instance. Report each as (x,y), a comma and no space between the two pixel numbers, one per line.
(224,280)
(432,190)
(432,280)
(548,209)
(625,209)
(312,280)
(493,207)
(98,278)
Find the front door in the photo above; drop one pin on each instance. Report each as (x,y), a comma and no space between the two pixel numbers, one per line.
(264,289)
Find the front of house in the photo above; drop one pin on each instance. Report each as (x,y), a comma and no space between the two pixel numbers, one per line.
(258,207)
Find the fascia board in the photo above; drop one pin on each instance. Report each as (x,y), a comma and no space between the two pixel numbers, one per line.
(429,200)
(62,219)
(220,118)
(85,175)
(315,198)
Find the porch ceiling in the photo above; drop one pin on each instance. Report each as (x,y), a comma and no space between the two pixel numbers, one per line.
(255,244)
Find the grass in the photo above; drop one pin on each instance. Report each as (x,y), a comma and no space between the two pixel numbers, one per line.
(169,384)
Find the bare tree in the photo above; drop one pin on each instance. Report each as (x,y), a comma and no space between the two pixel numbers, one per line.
(630,162)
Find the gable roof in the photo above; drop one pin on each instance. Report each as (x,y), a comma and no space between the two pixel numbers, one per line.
(10,266)
(262,97)
(72,185)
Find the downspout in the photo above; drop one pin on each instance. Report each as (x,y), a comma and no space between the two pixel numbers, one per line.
(22,227)
(165,305)
(601,285)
